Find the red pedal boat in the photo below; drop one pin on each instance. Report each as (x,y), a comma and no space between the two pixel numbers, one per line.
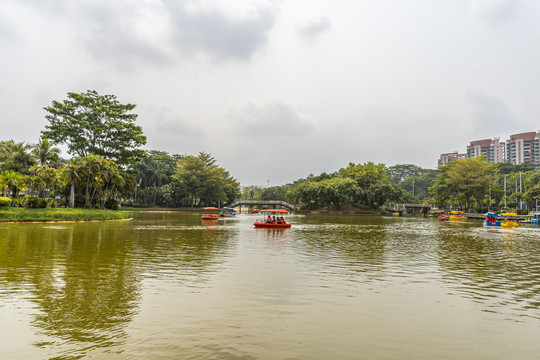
(273,224)
(210,216)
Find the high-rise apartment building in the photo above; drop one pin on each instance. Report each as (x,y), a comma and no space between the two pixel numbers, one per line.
(444,159)
(523,148)
(493,150)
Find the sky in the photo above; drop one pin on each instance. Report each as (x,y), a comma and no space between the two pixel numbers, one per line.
(276,90)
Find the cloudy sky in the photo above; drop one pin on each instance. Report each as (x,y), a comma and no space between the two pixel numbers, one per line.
(277,90)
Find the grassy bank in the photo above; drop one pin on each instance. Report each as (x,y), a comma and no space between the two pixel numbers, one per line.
(59,214)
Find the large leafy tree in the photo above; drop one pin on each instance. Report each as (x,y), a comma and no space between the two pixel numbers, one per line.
(372,179)
(90,123)
(464,180)
(201,178)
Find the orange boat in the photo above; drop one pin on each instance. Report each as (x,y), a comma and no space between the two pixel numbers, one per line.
(267,224)
(210,216)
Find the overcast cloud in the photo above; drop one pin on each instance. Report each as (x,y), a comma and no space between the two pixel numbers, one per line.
(277,90)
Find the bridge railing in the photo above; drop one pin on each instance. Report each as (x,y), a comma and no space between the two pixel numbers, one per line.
(263,202)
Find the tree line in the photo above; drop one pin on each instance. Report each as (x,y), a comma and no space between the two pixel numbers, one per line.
(106,164)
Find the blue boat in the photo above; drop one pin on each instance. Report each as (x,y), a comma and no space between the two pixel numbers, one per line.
(492,220)
(535,220)
(228,212)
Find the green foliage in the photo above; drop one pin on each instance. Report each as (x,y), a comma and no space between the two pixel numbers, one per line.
(111,204)
(275,193)
(60,214)
(463,182)
(15,156)
(252,192)
(34,202)
(204,181)
(45,153)
(398,173)
(372,179)
(4,201)
(89,123)
(12,181)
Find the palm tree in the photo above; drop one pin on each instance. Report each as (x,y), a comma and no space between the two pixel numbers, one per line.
(46,153)
(16,156)
(12,181)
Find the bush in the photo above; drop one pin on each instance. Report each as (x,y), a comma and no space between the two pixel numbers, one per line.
(111,204)
(35,203)
(80,201)
(4,201)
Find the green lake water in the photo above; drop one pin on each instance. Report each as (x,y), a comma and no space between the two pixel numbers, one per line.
(168,286)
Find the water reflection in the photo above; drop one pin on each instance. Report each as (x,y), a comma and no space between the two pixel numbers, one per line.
(171,286)
(497,268)
(85,279)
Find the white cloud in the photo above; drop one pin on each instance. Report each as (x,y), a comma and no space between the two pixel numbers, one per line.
(496,11)
(314,28)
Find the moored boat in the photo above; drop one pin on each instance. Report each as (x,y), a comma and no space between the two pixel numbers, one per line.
(443,215)
(227,212)
(457,216)
(272,222)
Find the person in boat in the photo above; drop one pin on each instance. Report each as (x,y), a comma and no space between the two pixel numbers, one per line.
(283,220)
(269,220)
(273,219)
(278,220)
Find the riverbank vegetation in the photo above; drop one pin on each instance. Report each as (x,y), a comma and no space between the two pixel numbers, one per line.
(108,169)
(59,214)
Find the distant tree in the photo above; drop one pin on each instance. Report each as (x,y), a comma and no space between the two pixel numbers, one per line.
(252,192)
(89,123)
(398,173)
(275,193)
(467,179)
(201,178)
(372,179)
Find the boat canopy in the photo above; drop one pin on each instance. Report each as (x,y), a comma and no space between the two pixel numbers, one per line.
(491,214)
(228,208)
(280,211)
(210,208)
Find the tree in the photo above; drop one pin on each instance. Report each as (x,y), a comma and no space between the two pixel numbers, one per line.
(400,172)
(372,179)
(16,156)
(45,152)
(275,193)
(466,179)
(201,178)
(12,181)
(89,123)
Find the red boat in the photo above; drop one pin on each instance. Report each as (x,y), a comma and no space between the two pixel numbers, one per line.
(210,216)
(267,224)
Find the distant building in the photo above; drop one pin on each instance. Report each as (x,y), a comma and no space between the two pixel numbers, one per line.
(523,148)
(445,159)
(493,150)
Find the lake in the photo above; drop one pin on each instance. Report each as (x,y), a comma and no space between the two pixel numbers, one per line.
(168,286)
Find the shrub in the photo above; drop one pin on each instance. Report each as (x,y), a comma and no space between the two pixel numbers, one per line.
(111,204)
(35,203)
(4,201)
(80,201)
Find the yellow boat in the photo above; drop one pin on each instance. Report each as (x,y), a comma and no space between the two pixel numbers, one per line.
(509,224)
(509,214)
(457,216)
